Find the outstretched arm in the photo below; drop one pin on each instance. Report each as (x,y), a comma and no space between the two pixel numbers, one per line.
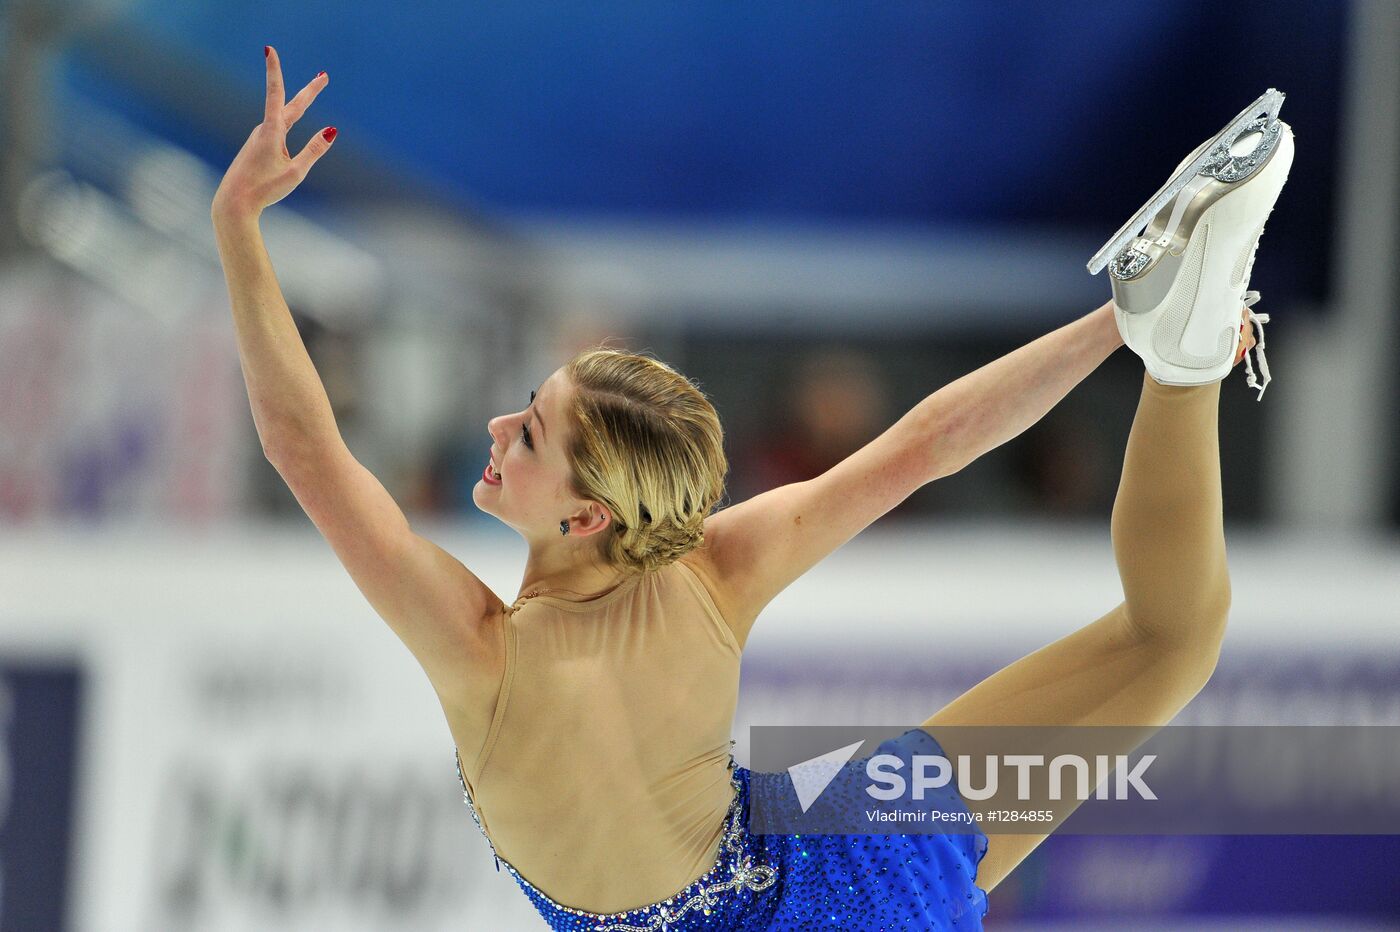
(755,549)
(991,405)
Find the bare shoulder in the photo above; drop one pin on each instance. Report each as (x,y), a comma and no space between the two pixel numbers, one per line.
(700,563)
(755,549)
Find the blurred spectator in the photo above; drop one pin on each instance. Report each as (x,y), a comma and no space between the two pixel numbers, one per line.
(1065,467)
(836,401)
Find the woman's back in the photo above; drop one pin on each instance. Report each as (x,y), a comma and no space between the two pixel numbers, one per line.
(604,777)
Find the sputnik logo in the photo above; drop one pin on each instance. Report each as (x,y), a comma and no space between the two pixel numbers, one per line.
(813,776)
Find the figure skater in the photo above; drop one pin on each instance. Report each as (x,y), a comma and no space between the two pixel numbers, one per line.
(592,714)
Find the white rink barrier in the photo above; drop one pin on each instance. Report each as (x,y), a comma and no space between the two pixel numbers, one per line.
(254,748)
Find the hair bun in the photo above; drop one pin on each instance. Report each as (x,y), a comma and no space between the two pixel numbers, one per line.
(648,445)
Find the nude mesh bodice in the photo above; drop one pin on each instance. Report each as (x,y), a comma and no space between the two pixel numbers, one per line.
(604,777)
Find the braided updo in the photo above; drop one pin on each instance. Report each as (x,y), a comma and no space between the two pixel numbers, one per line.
(646,443)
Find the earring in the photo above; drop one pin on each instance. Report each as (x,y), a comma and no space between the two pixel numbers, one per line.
(564,526)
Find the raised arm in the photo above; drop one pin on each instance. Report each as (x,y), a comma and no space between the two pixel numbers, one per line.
(289,403)
(755,549)
(446,617)
(991,405)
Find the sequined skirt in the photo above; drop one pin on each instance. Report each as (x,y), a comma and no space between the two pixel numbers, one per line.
(802,882)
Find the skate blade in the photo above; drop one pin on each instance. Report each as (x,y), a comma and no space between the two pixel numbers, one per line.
(1267,107)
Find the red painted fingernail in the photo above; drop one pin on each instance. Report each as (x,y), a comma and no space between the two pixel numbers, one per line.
(328,134)
(267,50)
(319,73)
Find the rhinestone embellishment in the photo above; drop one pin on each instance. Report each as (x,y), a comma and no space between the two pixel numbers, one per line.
(1217,155)
(660,915)
(1131,260)
(1222,166)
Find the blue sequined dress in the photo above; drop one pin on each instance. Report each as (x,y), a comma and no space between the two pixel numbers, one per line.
(804,882)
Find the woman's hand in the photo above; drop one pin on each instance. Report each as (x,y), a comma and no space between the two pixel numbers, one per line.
(264,171)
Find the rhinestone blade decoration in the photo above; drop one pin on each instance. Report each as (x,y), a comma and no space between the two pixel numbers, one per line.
(1129,262)
(1229,168)
(1270,103)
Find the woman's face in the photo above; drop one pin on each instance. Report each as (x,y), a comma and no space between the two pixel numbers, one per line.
(527,448)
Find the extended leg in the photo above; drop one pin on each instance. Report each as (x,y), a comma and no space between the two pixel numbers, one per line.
(1140,663)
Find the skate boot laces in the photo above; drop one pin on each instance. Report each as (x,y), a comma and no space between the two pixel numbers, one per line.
(1258,320)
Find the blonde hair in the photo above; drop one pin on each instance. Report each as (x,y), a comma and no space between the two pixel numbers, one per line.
(648,444)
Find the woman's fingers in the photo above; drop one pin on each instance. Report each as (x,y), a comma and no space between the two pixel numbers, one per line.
(293,111)
(276,96)
(1247,340)
(278,112)
(313,150)
(264,171)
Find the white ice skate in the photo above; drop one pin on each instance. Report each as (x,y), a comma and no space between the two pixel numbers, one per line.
(1180,267)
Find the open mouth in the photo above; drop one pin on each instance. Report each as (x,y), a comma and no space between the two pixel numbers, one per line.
(490,476)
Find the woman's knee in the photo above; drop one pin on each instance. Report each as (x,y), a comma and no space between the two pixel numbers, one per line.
(1185,665)
(1194,619)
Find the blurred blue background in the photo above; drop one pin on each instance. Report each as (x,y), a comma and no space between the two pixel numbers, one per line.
(903,113)
(821,213)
